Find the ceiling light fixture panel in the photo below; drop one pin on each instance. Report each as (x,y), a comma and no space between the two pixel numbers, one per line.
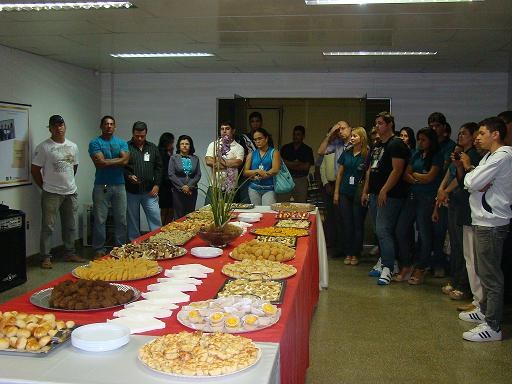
(158,55)
(363,2)
(380,53)
(65,5)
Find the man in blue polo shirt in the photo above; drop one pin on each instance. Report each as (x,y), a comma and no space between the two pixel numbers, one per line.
(109,154)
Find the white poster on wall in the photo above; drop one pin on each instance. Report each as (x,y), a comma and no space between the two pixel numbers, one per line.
(14,145)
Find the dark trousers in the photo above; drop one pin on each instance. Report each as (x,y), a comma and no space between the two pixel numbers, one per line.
(458,271)
(331,227)
(438,259)
(183,204)
(352,215)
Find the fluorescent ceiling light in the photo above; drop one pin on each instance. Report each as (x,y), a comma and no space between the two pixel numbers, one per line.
(151,55)
(380,53)
(64,5)
(361,2)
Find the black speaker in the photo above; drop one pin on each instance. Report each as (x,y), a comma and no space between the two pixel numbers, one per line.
(13,268)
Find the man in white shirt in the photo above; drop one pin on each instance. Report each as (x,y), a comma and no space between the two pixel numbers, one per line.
(53,169)
(229,162)
(490,188)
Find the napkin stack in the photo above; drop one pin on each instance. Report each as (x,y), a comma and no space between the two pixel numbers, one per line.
(161,298)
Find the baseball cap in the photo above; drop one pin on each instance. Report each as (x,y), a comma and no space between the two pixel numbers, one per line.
(56,120)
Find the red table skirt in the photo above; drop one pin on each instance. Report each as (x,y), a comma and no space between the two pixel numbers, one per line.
(292,330)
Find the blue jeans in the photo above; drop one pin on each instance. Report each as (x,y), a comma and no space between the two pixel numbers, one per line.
(104,196)
(417,208)
(262,197)
(151,209)
(352,215)
(386,218)
(67,207)
(489,251)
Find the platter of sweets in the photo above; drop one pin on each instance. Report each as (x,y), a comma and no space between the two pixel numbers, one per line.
(158,249)
(292,215)
(276,231)
(199,355)
(256,250)
(83,295)
(25,334)
(125,269)
(258,270)
(288,223)
(270,290)
(292,207)
(242,206)
(176,236)
(289,241)
(187,226)
(234,314)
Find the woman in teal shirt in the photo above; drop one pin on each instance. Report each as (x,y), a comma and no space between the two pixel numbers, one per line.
(347,194)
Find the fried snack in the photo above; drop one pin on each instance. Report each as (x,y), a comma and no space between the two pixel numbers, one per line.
(155,250)
(304,224)
(289,241)
(292,207)
(118,269)
(86,294)
(259,270)
(199,354)
(274,231)
(175,237)
(255,250)
(266,290)
(203,214)
(33,333)
(187,225)
(292,215)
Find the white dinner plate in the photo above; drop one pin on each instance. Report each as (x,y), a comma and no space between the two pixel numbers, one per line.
(206,252)
(100,337)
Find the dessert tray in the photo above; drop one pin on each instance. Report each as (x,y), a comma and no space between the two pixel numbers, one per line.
(234,314)
(289,241)
(269,290)
(242,206)
(275,231)
(41,299)
(114,270)
(199,355)
(176,236)
(288,223)
(258,270)
(157,249)
(257,250)
(292,215)
(293,207)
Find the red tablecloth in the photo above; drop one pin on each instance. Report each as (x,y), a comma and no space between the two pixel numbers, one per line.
(292,330)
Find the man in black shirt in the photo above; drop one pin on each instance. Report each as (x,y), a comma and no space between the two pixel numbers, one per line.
(143,175)
(298,157)
(384,190)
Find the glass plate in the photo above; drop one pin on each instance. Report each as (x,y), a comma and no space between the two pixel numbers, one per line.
(160,269)
(41,299)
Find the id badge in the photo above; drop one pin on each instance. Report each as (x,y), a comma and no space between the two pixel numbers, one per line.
(351,180)
(146,156)
(261,167)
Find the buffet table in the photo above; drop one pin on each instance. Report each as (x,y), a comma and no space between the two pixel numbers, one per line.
(69,365)
(291,332)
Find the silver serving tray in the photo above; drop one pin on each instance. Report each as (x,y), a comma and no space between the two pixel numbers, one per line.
(160,270)
(41,299)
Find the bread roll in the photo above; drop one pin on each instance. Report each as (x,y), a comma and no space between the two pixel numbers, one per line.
(33,345)
(11,331)
(12,341)
(44,340)
(21,343)
(21,316)
(4,343)
(21,323)
(40,332)
(49,317)
(70,324)
(24,332)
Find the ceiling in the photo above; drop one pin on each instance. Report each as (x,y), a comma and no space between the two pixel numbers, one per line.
(269,36)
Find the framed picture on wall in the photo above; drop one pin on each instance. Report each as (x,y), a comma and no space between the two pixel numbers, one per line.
(14,144)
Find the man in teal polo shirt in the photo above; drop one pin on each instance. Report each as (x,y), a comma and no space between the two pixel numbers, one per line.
(109,154)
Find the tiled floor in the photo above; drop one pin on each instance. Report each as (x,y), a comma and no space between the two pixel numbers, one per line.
(364,333)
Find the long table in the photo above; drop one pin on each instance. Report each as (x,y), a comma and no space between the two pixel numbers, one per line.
(292,330)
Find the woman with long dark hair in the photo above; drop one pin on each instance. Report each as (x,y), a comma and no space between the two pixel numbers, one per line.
(422,174)
(165,146)
(184,173)
(261,166)
(407,136)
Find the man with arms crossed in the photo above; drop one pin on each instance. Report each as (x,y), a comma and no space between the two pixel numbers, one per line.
(490,188)
(109,154)
(53,168)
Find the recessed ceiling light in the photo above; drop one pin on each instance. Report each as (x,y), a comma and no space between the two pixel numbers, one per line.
(151,55)
(64,5)
(361,2)
(380,53)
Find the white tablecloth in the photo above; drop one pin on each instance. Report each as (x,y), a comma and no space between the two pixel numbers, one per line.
(322,248)
(69,365)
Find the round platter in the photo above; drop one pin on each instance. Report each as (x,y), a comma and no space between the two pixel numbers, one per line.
(204,377)
(180,252)
(41,299)
(160,269)
(255,272)
(284,261)
(275,232)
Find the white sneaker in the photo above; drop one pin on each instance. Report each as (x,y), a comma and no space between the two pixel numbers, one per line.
(385,277)
(376,270)
(482,332)
(474,316)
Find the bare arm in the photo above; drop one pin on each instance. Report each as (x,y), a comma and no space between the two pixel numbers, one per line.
(35,170)
(100,162)
(408,177)
(426,178)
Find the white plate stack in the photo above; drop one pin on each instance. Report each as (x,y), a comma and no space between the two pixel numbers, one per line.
(100,337)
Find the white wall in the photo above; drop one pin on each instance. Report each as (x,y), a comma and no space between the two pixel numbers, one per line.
(186,103)
(51,88)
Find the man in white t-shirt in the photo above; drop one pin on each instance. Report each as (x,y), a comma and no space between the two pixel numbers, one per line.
(53,169)
(228,162)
